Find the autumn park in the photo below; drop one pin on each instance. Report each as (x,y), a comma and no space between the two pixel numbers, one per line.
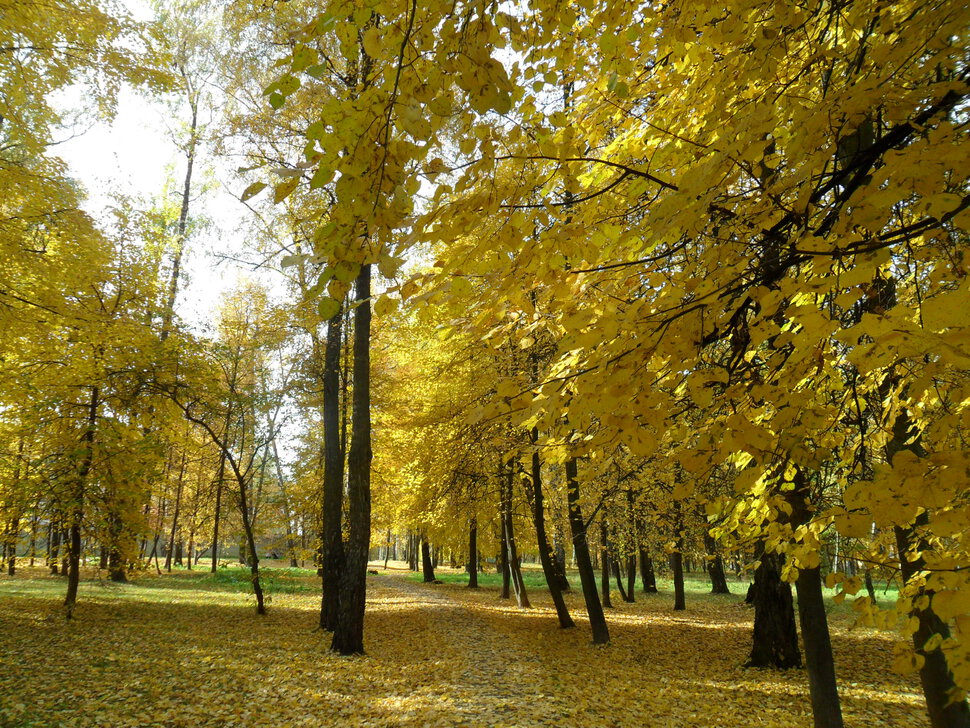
(484,363)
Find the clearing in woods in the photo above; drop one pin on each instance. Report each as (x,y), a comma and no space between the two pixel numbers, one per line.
(188,649)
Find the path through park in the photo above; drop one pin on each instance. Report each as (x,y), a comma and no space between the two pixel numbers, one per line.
(188,651)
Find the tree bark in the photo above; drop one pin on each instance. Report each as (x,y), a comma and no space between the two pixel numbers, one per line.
(175,515)
(935,675)
(173,284)
(677,560)
(648,579)
(427,566)
(77,507)
(218,508)
(348,637)
(511,553)
(473,554)
(605,563)
(332,560)
(545,552)
(775,639)
(715,566)
(587,577)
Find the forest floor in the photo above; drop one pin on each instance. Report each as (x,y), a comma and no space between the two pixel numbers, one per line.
(188,650)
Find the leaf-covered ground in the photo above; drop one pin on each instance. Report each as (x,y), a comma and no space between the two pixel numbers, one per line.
(189,650)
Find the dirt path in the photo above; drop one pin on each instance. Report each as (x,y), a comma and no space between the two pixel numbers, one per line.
(497,680)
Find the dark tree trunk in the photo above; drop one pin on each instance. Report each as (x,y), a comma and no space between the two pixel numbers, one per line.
(935,676)
(818,650)
(506,592)
(348,637)
(775,639)
(77,510)
(253,556)
(332,557)
(427,565)
(53,546)
(870,587)
(631,576)
(587,577)
(677,559)
(559,555)
(511,555)
(647,578)
(677,568)
(605,564)
(218,509)
(619,581)
(175,515)
(715,566)
(545,552)
(473,554)
(173,284)
(819,660)
(116,553)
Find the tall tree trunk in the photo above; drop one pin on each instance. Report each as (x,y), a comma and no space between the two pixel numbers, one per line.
(333,478)
(506,592)
(605,563)
(511,553)
(53,545)
(252,554)
(626,597)
(774,638)
(545,552)
(648,579)
(819,660)
(173,284)
(935,675)
(348,637)
(218,509)
(77,506)
(715,566)
(587,577)
(116,552)
(677,559)
(473,554)
(427,566)
(175,515)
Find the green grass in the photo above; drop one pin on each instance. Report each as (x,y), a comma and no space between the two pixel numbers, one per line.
(696,584)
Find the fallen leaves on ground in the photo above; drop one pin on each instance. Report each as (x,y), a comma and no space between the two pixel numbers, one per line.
(177,652)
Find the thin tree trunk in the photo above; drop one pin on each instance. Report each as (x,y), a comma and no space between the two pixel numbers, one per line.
(173,284)
(175,515)
(218,508)
(619,581)
(503,561)
(677,560)
(819,660)
(511,553)
(587,577)
(53,546)
(332,561)
(545,552)
(473,554)
(427,566)
(605,563)
(348,637)
(77,507)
